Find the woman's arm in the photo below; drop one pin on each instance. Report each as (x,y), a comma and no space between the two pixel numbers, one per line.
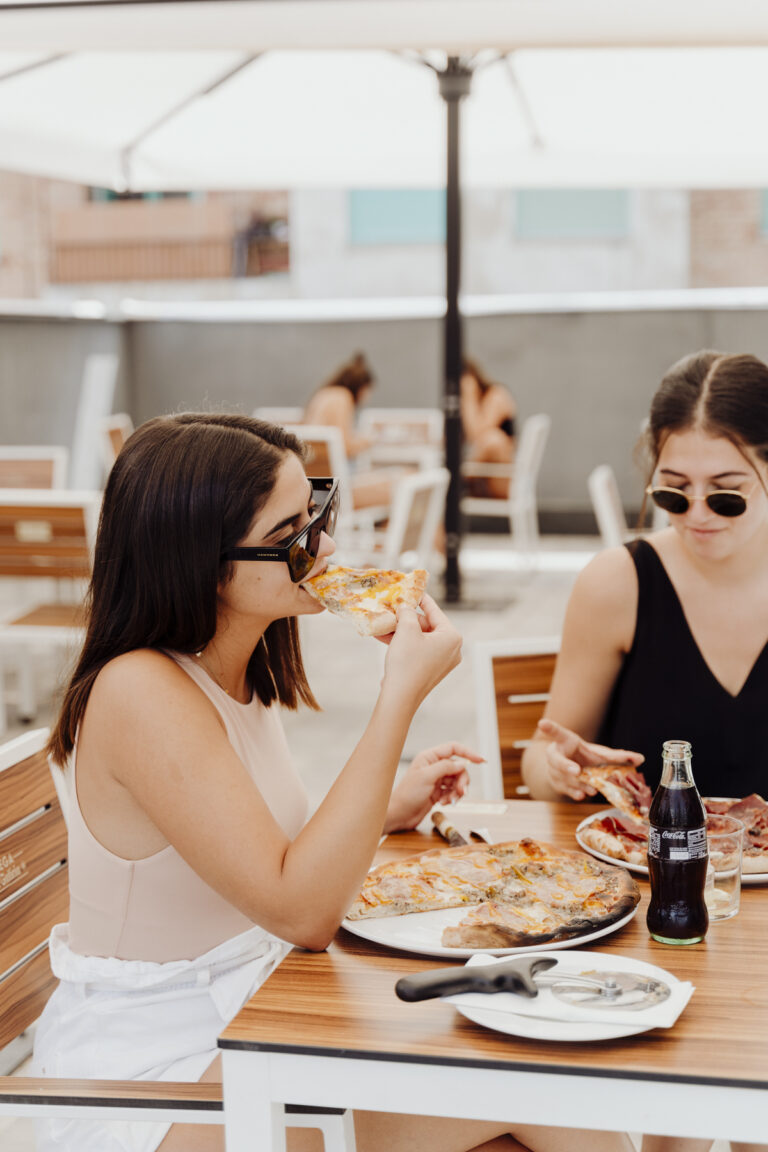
(166,746)
(597,634)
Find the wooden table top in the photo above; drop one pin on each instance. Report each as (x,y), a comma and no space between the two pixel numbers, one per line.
(342,1002)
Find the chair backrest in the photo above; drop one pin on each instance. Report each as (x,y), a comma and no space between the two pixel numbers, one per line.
(33,880)
(529,455)
(115,430)
(47,534)
(33,466)
(512,679)
(607,506)
(402,425)
(327,457)
(285,415)
(97,394)
(418,502)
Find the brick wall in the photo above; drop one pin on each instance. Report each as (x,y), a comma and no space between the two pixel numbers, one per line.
(727,246)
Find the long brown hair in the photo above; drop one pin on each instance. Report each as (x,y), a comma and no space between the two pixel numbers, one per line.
(182,491)
(721,394)
(355,375)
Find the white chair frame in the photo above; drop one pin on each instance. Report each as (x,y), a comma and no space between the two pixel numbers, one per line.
(395,547)
(113,430)
(488,741)
(97,393)
(520,507)
(277,415)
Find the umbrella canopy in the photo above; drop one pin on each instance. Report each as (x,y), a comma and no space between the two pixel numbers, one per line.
(187,120)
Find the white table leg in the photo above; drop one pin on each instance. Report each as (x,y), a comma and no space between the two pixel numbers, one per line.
(252,1123)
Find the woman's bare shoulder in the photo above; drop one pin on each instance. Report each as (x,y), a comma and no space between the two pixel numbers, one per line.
(610,573)
(141,681)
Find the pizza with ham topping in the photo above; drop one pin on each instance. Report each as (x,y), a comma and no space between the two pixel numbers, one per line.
(625,788)
(520,893)
(367,597)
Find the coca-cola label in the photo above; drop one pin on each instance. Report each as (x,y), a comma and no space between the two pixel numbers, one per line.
(677,843)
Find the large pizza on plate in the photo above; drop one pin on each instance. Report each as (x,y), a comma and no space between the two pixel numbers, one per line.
(519,893)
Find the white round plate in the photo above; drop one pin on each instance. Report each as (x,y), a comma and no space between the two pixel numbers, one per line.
(641,869)
(421,932)
(503,1018)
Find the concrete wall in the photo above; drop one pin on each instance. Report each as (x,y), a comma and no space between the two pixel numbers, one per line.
(593,368)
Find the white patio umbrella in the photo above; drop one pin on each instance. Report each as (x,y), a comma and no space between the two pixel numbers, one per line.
(548,113)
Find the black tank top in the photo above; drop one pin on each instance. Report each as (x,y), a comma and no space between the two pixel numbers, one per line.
(666,691)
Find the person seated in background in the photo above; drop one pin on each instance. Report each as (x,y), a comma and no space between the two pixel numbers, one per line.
(668,635)
(336,403)
(488,415)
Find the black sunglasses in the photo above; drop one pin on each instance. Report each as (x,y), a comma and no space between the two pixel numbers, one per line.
(301,551)
(722,503)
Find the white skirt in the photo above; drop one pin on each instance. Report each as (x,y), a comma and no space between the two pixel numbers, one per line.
(138,1020)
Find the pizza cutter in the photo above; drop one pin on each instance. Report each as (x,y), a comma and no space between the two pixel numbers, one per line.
(524,975)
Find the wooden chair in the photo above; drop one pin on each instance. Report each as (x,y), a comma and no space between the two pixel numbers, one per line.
(114,430)
(33,466)
(512,679)
(33,898)
(520,506)
(48,537)
(408,541)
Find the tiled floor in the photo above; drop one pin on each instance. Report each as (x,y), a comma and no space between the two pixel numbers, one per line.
(501,597)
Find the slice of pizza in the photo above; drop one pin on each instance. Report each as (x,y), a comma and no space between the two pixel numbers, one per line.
(625,788)
(618,838)
(367,597)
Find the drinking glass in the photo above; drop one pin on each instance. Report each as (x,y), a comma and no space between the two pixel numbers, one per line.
(725,840)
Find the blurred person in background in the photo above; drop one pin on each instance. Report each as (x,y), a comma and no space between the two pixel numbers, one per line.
(488,416)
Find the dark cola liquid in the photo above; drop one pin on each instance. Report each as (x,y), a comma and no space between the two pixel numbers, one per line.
(677,866)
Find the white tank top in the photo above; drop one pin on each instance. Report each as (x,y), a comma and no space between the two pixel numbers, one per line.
(158,908)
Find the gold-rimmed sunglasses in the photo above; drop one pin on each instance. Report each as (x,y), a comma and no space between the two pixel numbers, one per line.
(724,502)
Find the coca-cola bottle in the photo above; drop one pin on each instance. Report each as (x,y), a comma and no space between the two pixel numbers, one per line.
(677,852)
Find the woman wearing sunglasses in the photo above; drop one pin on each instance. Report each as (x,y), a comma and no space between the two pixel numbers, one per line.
(668,636)
(193,865)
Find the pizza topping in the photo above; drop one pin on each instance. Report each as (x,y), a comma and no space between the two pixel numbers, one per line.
(367,597)
(523,892)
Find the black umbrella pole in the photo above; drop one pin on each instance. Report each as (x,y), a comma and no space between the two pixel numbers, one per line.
(454,84)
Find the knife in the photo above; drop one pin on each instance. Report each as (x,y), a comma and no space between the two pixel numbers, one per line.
(447,830)
(515,975)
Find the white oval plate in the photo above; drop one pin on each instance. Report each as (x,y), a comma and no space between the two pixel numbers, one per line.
(421,933)
(641,869)
(505,1019)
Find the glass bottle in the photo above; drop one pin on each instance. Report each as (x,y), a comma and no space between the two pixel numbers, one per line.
(677,852)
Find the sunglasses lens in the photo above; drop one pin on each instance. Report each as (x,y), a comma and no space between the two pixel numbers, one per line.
(727,503)
(674,502)
(301,559)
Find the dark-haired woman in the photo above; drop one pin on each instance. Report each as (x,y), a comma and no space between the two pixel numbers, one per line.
(669,634)
(488,415)
(193,866)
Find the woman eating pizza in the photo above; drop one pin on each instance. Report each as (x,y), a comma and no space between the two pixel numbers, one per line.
(193,866)
(668,635)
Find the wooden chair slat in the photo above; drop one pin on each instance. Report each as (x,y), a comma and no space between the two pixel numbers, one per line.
(22,1089)
(27,921)
(23,995)
(24,788)
(26,473)
(31,850)
(523,674)
(52,616)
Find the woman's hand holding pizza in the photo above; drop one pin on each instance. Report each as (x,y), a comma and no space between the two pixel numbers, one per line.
(423,649)
(566,754)
(436,776)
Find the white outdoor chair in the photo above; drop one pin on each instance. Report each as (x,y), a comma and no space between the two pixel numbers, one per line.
(409,436)
(97,394)
(33,466)
(519,508)
(114,431)
(512,679)
(408,541)
(34,897)
(48,537)
(607,506)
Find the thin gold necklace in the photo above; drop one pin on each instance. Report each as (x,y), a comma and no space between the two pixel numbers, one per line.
(210,671)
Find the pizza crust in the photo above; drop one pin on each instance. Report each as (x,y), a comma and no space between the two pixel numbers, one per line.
(368,597)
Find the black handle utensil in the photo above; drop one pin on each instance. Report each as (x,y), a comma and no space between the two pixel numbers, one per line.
(514,975)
